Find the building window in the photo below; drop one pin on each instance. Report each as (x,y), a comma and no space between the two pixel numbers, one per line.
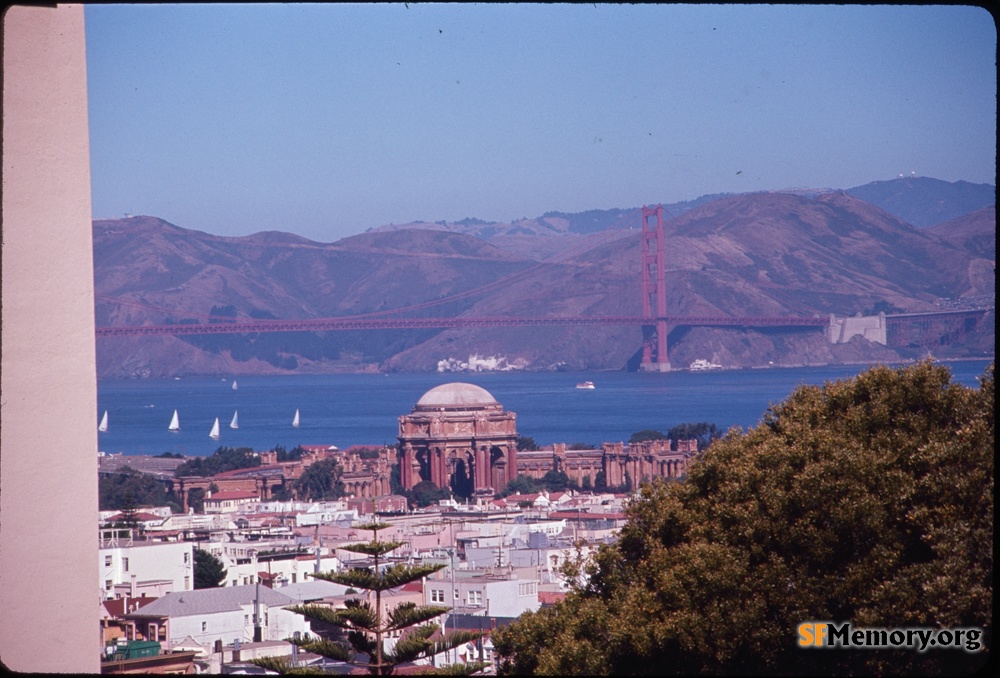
(107,561)
(437,595)
(246,620)
(187,558)
(475,598)
(204,626)
(187,583)
(108,584)
(293,577)
(125,564)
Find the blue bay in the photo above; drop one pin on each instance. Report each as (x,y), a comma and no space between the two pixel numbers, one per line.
(362,409)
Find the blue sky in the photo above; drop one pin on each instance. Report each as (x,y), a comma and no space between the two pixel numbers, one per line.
(327,120)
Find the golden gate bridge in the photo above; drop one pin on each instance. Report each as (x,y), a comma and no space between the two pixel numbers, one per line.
(902,329)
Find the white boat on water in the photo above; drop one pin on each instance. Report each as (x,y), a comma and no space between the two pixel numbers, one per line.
(234,384)
(103,426)
(295,420)
(214,433)
(700,365)
(586,384)
(235,423)
(175,423)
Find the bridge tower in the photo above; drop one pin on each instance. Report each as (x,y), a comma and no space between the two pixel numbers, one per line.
(654,292)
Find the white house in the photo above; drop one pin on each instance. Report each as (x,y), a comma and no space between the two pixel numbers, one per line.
(481,594)
(218,614)
(148,568)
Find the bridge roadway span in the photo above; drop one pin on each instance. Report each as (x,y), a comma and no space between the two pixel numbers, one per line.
(355,323)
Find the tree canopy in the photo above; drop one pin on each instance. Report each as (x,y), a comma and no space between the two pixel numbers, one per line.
(223,459)
(868,500)
(132,488)
(320,481)
(209,571)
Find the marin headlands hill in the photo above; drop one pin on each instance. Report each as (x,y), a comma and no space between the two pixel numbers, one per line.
(820,256)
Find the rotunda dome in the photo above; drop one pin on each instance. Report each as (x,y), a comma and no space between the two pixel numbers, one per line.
(456,395)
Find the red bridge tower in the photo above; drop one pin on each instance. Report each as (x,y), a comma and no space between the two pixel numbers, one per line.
(654,292)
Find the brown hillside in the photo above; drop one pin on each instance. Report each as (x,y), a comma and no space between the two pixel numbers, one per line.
(757,254)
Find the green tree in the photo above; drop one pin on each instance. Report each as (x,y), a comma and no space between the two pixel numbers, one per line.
(647,434)
(702,431)
(868,500)
(366,624)
(555,481)
(141,489)
(426,493)
(320,480)
(526,443)
(223,459)
(196,499)
(522,484)
(209,571)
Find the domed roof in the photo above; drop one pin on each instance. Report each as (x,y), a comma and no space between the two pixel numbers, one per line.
(456,395)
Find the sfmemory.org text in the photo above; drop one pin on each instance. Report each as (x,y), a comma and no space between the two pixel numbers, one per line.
(830,635)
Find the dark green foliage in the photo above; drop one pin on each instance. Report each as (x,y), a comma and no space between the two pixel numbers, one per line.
(366,622)
(581,446)
(600,481)
(131,486)
(209,571)
(868,501)
(368,452)
(647,434)
(526,443)
(223,459)
(522,484)
(426,493)
(704,432)
(196,499)
(170,455)
(555,481)
(320,481)
(290,455)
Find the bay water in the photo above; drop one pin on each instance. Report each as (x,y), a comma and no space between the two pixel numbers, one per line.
(363,409)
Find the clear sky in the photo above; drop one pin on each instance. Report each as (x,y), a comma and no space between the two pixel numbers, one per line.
(327,120)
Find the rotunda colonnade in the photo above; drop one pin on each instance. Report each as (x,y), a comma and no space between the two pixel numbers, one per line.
(458,436)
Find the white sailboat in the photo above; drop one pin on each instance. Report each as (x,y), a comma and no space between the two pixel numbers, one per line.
(235,423)
(103,426)
(295,420)
(175,423)
(234,384)
(214,434)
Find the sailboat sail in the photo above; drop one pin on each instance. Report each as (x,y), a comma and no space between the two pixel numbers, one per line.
(235,423)
(295,421)
(214,434)
(175,423)
(103,426)
(234,384)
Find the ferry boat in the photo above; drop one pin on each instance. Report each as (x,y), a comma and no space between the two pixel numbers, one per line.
(701,365)
(586,384)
